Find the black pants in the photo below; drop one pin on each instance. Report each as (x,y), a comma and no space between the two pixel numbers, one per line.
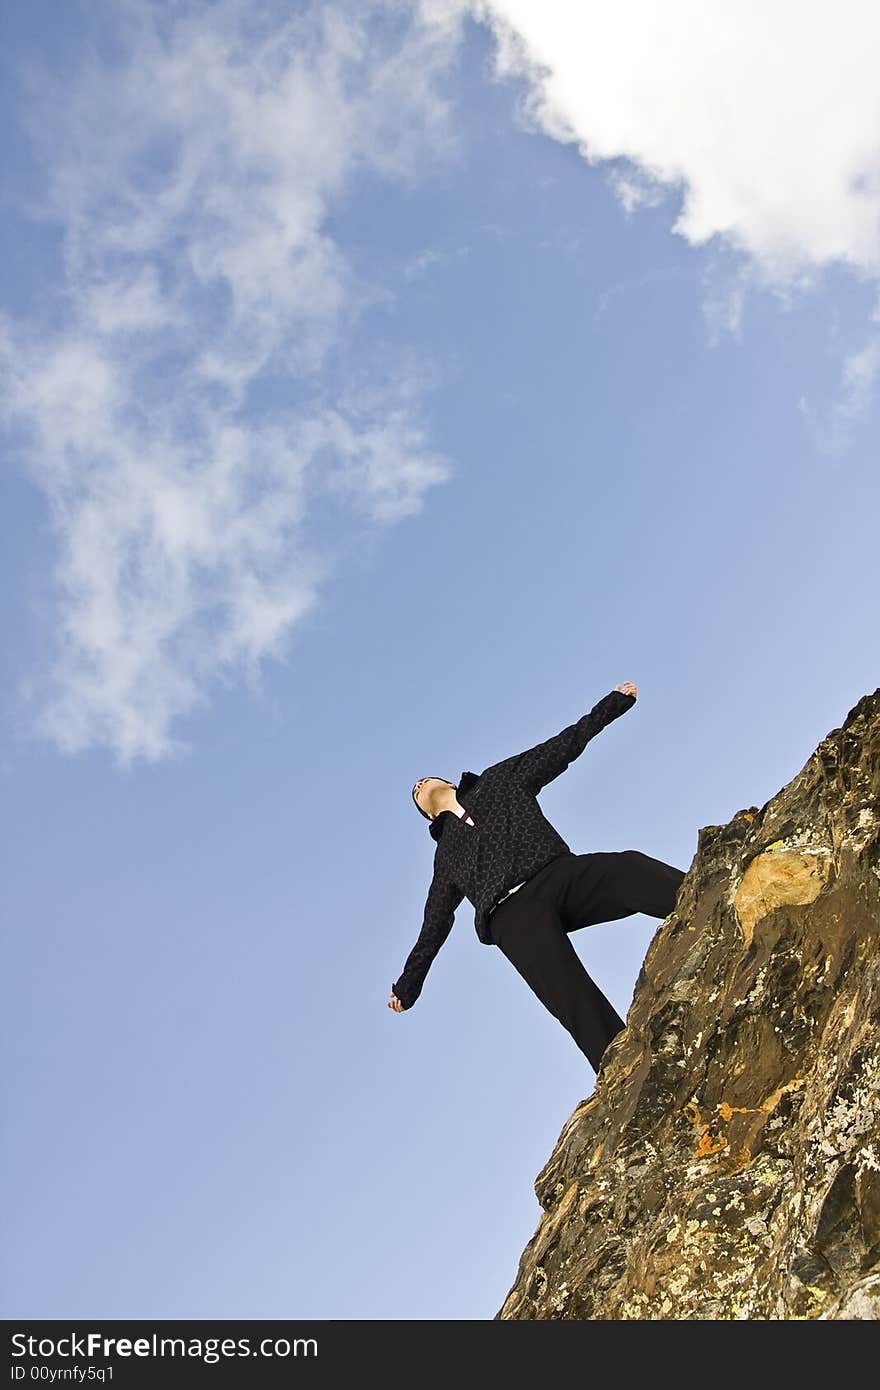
(577,890)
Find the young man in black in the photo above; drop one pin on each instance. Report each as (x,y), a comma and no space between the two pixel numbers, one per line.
(528,889)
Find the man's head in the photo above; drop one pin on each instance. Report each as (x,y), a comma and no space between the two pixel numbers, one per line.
(425,793)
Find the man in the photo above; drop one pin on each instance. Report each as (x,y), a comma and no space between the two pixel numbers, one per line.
(528,889)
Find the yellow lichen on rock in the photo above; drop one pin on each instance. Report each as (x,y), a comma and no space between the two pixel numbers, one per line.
(779,877)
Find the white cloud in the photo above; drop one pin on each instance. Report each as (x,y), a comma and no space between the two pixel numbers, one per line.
(193,175)
(760,118)
(765,114)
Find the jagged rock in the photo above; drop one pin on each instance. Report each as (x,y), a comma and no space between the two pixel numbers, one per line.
(727,1164)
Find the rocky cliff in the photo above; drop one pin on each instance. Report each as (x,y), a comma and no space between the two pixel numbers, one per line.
(727,1164)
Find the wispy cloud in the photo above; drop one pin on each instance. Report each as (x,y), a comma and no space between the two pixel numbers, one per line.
(432,258)
(860,373)
(193,175)
(634,189)
(832,429)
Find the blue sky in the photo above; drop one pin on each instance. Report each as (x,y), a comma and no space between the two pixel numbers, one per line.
(374,401)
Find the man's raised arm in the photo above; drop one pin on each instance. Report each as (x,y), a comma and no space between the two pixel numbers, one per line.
(443,898)
(539,765)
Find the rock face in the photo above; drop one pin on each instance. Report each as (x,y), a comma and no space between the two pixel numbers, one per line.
(727,1164)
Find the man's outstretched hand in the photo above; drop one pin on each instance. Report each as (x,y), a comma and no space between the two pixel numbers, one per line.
(395,1004)
(627,688)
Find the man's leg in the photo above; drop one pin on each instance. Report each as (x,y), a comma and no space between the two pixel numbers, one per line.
(533,938)
(602,887)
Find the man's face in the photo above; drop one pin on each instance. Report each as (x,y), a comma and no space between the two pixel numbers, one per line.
(423,790)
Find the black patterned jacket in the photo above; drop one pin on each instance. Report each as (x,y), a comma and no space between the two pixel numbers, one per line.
(509,842)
